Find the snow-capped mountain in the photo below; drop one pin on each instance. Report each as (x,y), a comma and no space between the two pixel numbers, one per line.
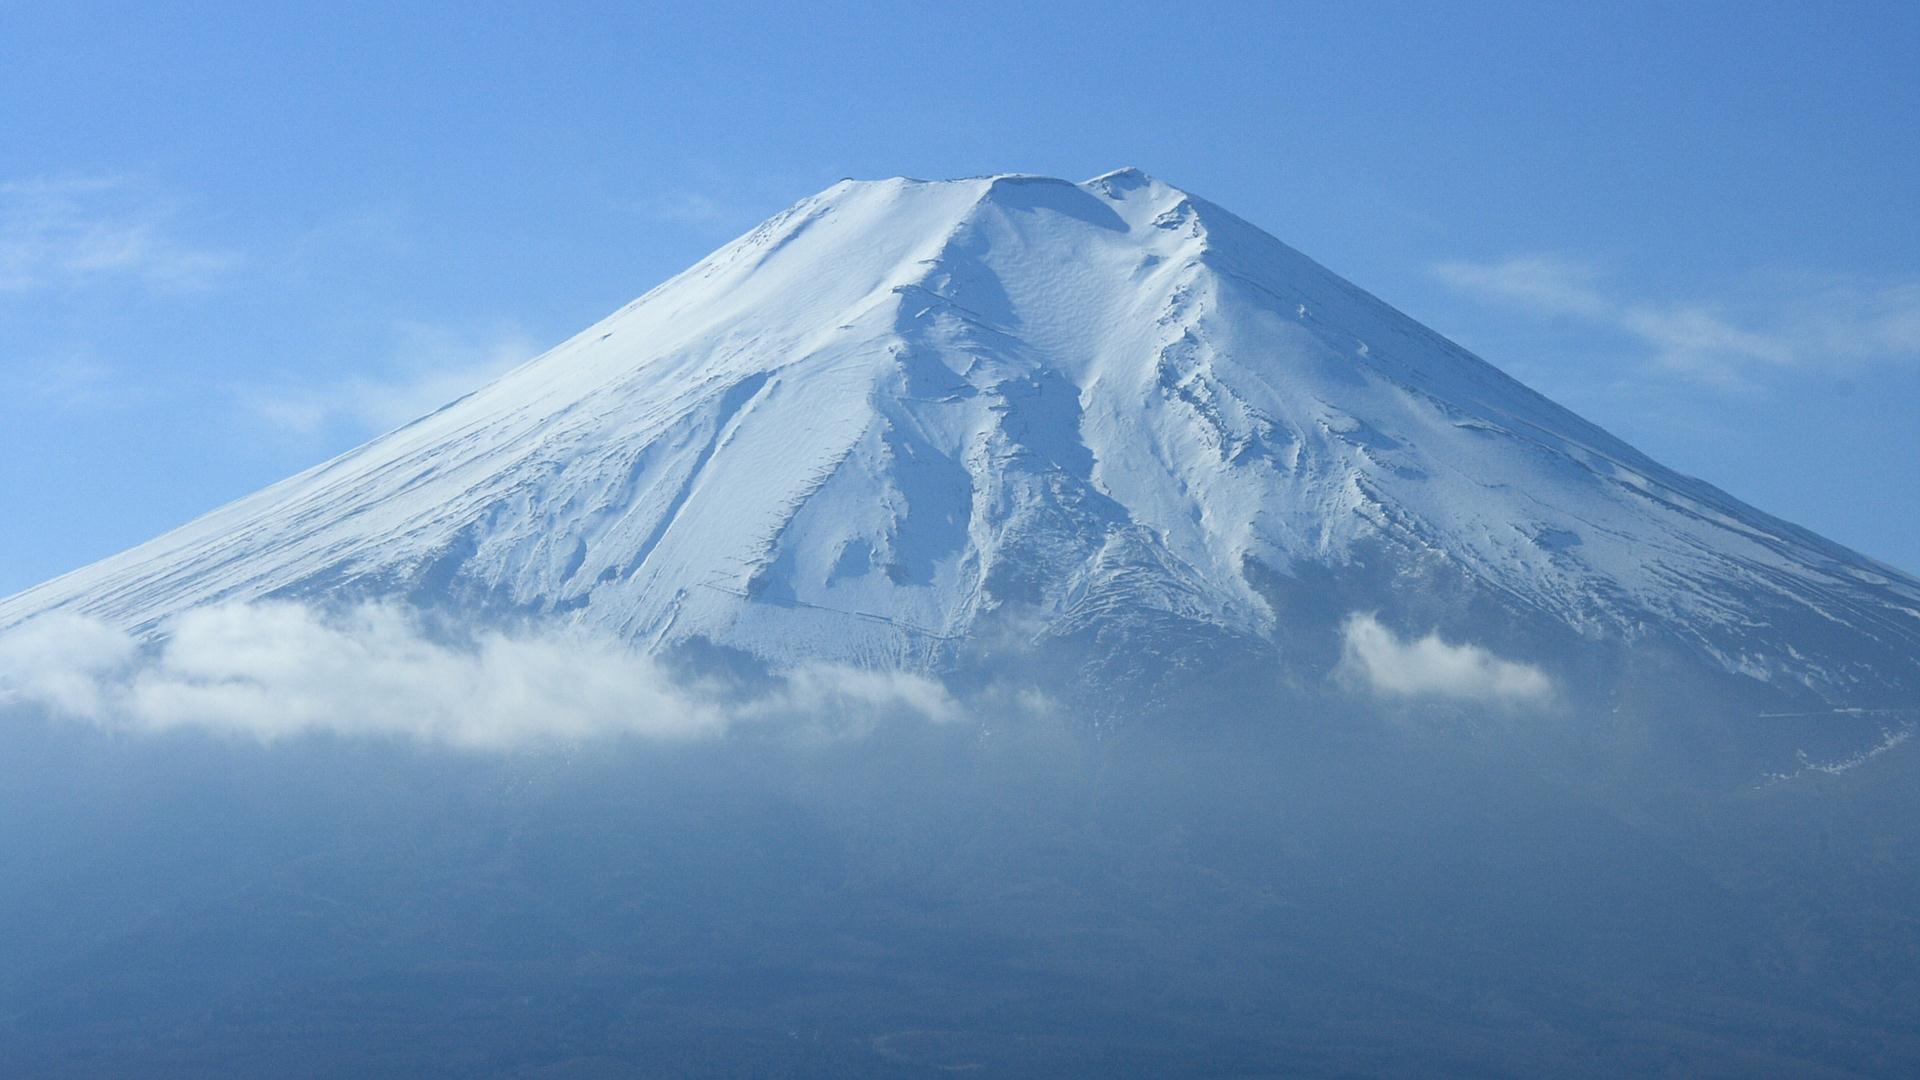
(902,415)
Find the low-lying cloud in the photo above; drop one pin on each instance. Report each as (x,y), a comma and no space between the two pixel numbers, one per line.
(277,670)
(1383,662)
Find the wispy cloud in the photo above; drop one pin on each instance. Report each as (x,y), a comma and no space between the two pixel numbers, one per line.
(63,382)
(273,671)
(691,209)
(1541,283)
(1381,661)
(63,233)
(1799,322)
(429,366)
(382,230)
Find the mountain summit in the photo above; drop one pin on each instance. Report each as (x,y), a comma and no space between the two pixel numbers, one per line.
(903,418)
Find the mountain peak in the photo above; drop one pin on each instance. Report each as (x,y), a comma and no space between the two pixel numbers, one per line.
(1126,178)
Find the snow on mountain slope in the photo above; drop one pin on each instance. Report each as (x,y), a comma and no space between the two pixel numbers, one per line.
(901,409)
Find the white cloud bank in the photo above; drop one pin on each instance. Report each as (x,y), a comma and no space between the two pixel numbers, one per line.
(276,670)
(1383,662)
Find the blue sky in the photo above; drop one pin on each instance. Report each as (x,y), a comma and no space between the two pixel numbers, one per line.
(234,241)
